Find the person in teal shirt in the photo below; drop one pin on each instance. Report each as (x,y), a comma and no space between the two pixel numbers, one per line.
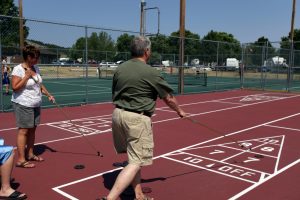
(6,166)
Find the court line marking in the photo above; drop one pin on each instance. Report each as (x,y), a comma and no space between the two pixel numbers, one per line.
(251,152)
(220,161)
(79,84)
(79,132)
(242,142)
(254,152)
(170,119)
(282,127)
(161,108)
(227,102)
(213,111)
(223,109)
(57,188)
(279,154)
(264,180)
(190,164)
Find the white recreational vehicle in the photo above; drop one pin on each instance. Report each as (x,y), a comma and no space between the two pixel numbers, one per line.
(232,64)
(276,61)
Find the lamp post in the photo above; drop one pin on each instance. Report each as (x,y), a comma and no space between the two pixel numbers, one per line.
(143,16)
(158,18)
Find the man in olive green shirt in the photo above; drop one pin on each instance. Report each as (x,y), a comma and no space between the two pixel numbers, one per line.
(135,89)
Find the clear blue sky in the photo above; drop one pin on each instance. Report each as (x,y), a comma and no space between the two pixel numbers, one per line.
(247,20)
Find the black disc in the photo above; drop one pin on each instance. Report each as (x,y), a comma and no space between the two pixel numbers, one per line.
(79,166)
(258,156)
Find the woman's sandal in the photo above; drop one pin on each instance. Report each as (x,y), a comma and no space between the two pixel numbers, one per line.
(25,164)
(35,158)
(15,196)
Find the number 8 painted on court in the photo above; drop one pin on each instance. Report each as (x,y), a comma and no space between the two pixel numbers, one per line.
(267,149)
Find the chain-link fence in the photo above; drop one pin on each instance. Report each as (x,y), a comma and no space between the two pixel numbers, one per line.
(77,62)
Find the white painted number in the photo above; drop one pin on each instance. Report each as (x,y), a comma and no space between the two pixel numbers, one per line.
(267,149)
(246,144)
(193,160)
(216,151)
(250,159)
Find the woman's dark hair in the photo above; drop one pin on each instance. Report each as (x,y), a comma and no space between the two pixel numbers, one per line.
(31,51)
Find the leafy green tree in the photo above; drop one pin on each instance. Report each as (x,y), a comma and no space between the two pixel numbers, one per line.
(220,44)
(260,51)
(123,42)
(285,44)
(160,44)
(78,49)
(285,40)
(191,43)
(155,59)
(9,26)
(100,47)
(123,47)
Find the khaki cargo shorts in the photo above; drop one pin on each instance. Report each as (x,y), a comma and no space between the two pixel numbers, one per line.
(132,133)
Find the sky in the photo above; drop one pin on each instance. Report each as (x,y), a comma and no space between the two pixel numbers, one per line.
(246,20)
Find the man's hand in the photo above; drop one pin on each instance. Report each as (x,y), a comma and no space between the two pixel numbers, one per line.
(182,114)
(171,101)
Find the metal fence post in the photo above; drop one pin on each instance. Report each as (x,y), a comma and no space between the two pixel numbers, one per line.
(86,65)
(291,65)
(217,67)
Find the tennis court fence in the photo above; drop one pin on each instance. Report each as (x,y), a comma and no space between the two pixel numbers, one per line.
(71,63)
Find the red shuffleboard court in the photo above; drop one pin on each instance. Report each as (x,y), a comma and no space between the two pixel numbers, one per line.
(199,159)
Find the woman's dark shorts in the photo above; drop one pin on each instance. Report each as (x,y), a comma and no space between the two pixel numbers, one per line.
(27,117)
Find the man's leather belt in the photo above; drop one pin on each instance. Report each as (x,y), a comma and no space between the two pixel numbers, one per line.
(135,111)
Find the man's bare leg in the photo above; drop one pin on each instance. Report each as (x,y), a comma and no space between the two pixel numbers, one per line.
(124,179)
(136,184)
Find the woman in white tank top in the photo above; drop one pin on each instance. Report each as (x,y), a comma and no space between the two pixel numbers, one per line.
(27,98)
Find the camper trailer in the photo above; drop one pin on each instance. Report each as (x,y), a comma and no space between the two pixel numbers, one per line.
(232,64)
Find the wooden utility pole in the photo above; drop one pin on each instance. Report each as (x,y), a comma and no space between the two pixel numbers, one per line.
(181,47)
(291,63)
(21,30)
(293,20)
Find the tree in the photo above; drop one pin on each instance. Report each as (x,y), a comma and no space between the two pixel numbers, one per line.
(9,26)
(220,44)
(123,42)
(78,49)
(100,47)
(123,46)
(160,44)
(286,44)
(285,41)
(191,43)
(260,51)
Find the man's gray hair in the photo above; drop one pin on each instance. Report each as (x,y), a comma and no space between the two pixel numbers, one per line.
(139,45)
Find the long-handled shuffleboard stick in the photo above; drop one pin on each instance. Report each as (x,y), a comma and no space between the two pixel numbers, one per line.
(82,134)
(217,132)
(69,120)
